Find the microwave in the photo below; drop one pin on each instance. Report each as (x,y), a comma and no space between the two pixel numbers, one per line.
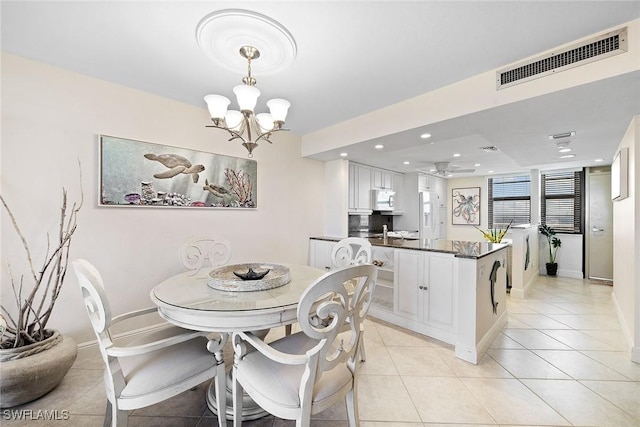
(382,200)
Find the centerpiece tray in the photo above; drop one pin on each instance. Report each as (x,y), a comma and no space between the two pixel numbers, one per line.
(248,277)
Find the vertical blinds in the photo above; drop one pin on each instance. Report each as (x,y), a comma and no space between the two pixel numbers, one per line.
(509,199)
(562,201)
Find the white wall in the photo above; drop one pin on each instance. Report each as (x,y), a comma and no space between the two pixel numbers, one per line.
(569,255)
(626,246)
(51,118)
(337,197)
(467,232)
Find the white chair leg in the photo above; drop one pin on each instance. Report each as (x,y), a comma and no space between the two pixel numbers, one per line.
(107,415)
(352,408)
(363,357)
(220,384)
(115,417)
(237,401)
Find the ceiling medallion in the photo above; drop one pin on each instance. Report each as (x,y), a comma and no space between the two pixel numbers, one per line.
(223,33)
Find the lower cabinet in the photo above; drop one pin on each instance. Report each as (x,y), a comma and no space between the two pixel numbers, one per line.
(425,288)
(320,253)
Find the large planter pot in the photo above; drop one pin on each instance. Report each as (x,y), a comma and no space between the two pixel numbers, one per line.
(29,372)
(552,268)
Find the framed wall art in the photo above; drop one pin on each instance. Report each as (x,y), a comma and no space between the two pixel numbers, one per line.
(136,173)
(466,206)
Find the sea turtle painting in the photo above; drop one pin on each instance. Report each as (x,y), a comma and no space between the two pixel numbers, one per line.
(177,165)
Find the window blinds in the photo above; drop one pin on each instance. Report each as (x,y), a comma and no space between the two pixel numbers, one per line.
(561,207)
(509,199)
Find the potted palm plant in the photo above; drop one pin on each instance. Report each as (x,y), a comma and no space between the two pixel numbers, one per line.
(553,243)
(33,357)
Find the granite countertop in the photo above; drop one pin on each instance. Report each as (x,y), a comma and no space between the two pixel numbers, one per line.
(458,248)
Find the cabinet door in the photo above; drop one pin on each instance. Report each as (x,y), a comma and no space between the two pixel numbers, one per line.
(425,182)
(387,180)
(440,185)
(353,187)
(408,280)
(439,303)
(363,201)
(377,182)
(320,253)
(398,187)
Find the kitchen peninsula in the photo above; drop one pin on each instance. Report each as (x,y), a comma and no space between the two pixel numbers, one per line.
(454,291)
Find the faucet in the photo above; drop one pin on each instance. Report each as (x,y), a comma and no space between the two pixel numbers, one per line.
(384,231)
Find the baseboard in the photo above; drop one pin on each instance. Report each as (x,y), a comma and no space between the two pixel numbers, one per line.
(127,334)
(474,354)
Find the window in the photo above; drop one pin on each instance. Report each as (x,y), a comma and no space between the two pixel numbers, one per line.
(561,207)
(509,199)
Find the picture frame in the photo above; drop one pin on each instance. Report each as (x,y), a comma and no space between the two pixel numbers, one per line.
(148,175)
(620,175)
(465,209)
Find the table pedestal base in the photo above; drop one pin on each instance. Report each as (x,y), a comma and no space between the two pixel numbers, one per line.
(250,409)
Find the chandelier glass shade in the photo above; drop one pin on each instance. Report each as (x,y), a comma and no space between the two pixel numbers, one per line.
(244,124)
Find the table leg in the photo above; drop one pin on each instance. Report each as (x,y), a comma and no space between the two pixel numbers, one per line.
(223,385)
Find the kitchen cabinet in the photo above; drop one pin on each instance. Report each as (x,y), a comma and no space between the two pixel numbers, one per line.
(425,288)
(359,189)
(425,182)
(320,253)
(398,187)
(382,179)
(440,185)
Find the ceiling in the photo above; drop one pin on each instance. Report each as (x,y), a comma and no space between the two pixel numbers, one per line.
(354,57)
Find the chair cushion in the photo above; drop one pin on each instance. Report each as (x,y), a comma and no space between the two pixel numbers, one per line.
(280,383)
(152,372)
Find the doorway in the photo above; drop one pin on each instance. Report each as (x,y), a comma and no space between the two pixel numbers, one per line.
(599,230)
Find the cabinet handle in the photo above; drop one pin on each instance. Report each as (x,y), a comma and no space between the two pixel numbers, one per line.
(424,288)
(420,287)
(327,268)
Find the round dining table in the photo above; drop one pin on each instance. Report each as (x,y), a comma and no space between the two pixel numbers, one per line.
(187,300)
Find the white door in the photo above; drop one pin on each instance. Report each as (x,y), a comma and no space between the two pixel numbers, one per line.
(600,227)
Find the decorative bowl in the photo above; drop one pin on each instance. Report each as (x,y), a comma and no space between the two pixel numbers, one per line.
(228,277)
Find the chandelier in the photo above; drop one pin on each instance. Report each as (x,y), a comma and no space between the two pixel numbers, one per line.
(250,128)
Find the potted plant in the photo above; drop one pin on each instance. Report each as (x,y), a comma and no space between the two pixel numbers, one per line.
(33,358)
(553,243)
(494,235)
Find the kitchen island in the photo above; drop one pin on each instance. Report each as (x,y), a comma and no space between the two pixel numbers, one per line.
(454,291)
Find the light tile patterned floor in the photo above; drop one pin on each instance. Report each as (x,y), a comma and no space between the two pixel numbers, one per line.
(560,361)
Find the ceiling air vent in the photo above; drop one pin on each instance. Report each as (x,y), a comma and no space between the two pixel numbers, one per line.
(595,49)
(489,148)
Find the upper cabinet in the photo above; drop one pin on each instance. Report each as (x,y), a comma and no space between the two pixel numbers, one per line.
(382,179)
(359,189)
(435,183)
(363,179)
(398,187)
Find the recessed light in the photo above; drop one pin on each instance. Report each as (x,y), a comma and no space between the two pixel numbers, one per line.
(568,156)
(425,136)
(490,171)
(343,154)
(449,175)
(599,160)
(456,154)
(432,170)
(379,147)
(407,163)
(476,164)
(562,135)
(564,150)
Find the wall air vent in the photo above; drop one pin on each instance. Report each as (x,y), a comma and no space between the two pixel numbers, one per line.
(594,49)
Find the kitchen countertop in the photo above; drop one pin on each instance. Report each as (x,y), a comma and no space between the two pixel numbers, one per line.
(459,248)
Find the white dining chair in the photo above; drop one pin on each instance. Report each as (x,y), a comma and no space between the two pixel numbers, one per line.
(196,251)
(309,371)
(150,369)
(352,251)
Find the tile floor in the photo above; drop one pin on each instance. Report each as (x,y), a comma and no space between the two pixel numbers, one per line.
(560,361)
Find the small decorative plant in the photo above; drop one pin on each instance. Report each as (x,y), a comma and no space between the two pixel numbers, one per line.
(494,235)
(35,304)
(553,242)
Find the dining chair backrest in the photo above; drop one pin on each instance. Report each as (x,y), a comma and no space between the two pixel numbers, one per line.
(331,313)
(196,250)
(95,301)
(351,251)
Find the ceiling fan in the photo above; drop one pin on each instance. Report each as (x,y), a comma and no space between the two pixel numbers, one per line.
(445,168)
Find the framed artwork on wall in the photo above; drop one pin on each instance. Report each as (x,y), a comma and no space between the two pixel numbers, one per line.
(466,206)
(620,175)
(143,174)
